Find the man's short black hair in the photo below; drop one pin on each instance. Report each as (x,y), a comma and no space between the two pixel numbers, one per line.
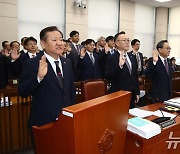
(30,39)
(11,44)
(160,44)
(120,33)
(4,44)
(133,42)
(109,38)
(89,41)
(173,58)
(48,29)
(23,39)
(74,32)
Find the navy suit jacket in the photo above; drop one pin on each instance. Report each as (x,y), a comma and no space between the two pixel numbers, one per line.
(121,79)
(47,96)
(18,64)
(87,69)
(142,63)
(3,72)
(161,80)
(102,61)
(75,57)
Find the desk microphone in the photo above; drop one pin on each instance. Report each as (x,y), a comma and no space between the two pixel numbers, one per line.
(160,119)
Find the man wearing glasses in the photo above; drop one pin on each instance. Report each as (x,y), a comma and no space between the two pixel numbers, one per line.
(121,69)
(159,70)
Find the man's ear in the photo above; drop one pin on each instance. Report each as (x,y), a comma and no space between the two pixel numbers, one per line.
(42,42)
(159,50)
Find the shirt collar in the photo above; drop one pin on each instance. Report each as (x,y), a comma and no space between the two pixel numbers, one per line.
(89,52)
(120,52)
(51,59)
(30,54)
(74,44)
(162,58)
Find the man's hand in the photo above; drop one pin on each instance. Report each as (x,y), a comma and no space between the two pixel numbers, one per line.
(6,53)
(106,48)
(42,71)
(121,60)
(14,54)
(83,52)
(137,99)
(155,55)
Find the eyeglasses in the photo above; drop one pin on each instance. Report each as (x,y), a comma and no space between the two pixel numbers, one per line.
(167,48)
(125,40)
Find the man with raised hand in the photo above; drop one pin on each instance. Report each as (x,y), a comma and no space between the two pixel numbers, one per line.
(48,78)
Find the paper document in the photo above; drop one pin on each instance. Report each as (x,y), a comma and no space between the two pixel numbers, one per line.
(173,102)
(140,113)
(166,114)
(143,127)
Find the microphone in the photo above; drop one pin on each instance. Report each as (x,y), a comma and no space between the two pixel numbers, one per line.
(159,119)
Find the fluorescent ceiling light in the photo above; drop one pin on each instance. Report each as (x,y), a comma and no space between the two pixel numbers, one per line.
(162,0)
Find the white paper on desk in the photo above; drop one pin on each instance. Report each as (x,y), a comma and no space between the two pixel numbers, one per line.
(140,113)
(176,100)
(166,114)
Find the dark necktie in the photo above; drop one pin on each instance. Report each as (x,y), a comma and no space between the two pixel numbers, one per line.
(166,65)
(127,63)
(92,59)
(77,48)
(33,55)
(59,74)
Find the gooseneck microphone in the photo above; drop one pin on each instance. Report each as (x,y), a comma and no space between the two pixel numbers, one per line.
(159,119)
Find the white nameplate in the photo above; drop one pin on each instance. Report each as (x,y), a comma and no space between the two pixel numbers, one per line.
(67,114)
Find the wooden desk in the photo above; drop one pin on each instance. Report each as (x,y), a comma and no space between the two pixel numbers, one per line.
(14,134)
(155,145)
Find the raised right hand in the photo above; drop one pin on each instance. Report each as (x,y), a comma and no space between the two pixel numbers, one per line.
(155,55)
(43,67)
(83,52)
(14,54)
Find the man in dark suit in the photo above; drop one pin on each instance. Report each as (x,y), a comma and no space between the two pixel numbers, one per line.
(48,78)
(159,70)
(106,50)
(135,43)
(88,63)
(121,69)
(75,51)
(175,67)
(22,43)
(18,59)
(3,71)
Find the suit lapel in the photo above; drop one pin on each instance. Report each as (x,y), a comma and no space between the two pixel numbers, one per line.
(64,67)
(162,65)
(88,58)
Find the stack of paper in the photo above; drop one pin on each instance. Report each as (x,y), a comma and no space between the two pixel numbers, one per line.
(140,113)
(143,127)
(173,102)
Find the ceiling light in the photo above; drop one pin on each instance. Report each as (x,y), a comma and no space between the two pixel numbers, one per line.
(162,0)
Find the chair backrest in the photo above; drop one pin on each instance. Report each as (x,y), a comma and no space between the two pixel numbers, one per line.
(93,88)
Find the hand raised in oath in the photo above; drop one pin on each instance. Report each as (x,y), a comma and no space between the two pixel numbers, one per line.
(43,67)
